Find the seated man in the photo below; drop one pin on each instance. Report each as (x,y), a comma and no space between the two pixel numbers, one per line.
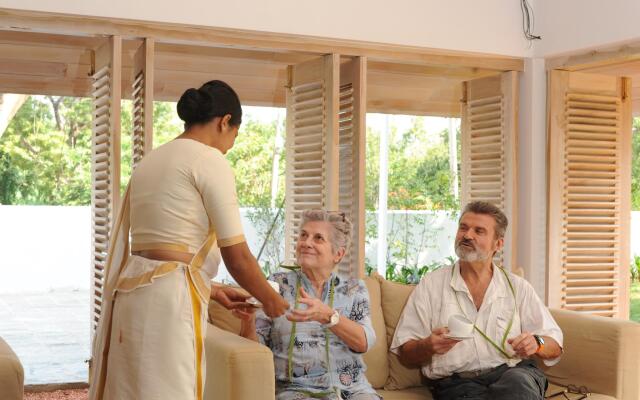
(511,325)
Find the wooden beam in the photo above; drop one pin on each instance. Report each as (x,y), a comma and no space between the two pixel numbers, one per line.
(595,58)
(464,73)
(21,20)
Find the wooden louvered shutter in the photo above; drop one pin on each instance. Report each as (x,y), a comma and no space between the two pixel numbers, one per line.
(142,95)
(489,145)
(352,116)
(105,160)
(589,193)
(311,143)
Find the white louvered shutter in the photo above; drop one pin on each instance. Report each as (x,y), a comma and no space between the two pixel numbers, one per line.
(489,145)
(105,161)
(311,143)
(352,115)
(589,193)
(142,96)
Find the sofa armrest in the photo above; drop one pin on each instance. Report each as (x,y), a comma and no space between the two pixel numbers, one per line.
(237,368)
(11,373)
(600,353)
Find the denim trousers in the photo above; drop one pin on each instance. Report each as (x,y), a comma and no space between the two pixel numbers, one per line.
(525,381)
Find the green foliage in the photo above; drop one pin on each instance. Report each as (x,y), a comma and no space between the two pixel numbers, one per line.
(45,151)
(45,155)
(419,174)
(419,179)
(408,274)
(252,160)
(634,269)
(634,313)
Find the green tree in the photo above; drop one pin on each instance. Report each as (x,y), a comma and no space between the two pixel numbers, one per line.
(419,175)
(252,159)
(44,151)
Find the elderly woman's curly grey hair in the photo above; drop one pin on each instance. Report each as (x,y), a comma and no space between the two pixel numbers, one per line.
(341,232)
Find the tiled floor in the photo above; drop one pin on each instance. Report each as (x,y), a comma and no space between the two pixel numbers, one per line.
(49,331)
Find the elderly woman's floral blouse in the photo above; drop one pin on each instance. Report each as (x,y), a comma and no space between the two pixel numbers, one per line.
(310,370)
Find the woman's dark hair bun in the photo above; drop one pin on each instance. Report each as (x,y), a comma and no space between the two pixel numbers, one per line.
(211,100)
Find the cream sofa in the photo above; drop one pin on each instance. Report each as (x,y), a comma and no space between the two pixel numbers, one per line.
(11,374)
(601,353)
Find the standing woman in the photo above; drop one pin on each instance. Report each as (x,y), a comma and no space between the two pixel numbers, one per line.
(181,213)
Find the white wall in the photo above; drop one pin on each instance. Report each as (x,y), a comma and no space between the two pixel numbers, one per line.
(44,248)
(532,220)
(488,26)
(570,26)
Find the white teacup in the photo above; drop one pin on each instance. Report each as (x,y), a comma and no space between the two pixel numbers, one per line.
(253,301)
(460,326)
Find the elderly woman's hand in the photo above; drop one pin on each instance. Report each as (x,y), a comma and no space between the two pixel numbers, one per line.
(316,310)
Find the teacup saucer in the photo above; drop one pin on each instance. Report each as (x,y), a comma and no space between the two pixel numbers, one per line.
(254,302)
(448,336)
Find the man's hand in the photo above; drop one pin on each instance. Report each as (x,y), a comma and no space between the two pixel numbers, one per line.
(438,343)
(524,345)
(230,298)
(316,310)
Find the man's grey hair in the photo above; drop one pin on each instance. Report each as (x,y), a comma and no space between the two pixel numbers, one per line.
(486,208)
(341,226)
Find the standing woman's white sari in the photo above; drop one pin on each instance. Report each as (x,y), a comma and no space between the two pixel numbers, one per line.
(150,338)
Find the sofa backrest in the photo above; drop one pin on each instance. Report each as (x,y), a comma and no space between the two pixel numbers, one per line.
(376,358)
(614,341)
(394,297)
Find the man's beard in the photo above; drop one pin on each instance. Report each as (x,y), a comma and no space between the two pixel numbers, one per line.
(469,254)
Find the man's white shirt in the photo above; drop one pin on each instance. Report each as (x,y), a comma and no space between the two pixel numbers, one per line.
(434,300)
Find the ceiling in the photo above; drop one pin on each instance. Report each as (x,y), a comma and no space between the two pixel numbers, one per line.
(54,64)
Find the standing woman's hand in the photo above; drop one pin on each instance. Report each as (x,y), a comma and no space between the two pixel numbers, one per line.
(275,306)
(229,298)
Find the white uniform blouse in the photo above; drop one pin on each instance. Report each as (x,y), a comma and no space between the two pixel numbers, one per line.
(179,192)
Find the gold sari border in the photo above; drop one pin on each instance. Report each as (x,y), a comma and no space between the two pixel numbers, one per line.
(129,284)
(160,246)
(231,241)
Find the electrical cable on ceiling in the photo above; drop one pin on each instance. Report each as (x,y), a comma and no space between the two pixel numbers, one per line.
(528,21)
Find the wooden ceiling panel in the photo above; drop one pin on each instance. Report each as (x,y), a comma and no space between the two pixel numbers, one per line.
(35,63)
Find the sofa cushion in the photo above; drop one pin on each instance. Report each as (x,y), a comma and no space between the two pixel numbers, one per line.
(417,393)
(376,358)
(222,318)
(394,297)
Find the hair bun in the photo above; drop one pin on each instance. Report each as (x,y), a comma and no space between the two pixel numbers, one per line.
(193,106)
(213,99)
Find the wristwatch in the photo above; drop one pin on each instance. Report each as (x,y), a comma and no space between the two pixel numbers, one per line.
(540,342)
(333,320)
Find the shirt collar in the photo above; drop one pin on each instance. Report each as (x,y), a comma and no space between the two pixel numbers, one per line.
(498,287)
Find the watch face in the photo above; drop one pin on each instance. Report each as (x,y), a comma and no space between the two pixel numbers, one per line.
(539,339)
(334,318)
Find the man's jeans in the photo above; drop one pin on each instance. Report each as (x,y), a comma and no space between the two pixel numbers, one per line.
(522,382)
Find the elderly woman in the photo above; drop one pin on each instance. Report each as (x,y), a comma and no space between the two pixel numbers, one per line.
(317,348)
